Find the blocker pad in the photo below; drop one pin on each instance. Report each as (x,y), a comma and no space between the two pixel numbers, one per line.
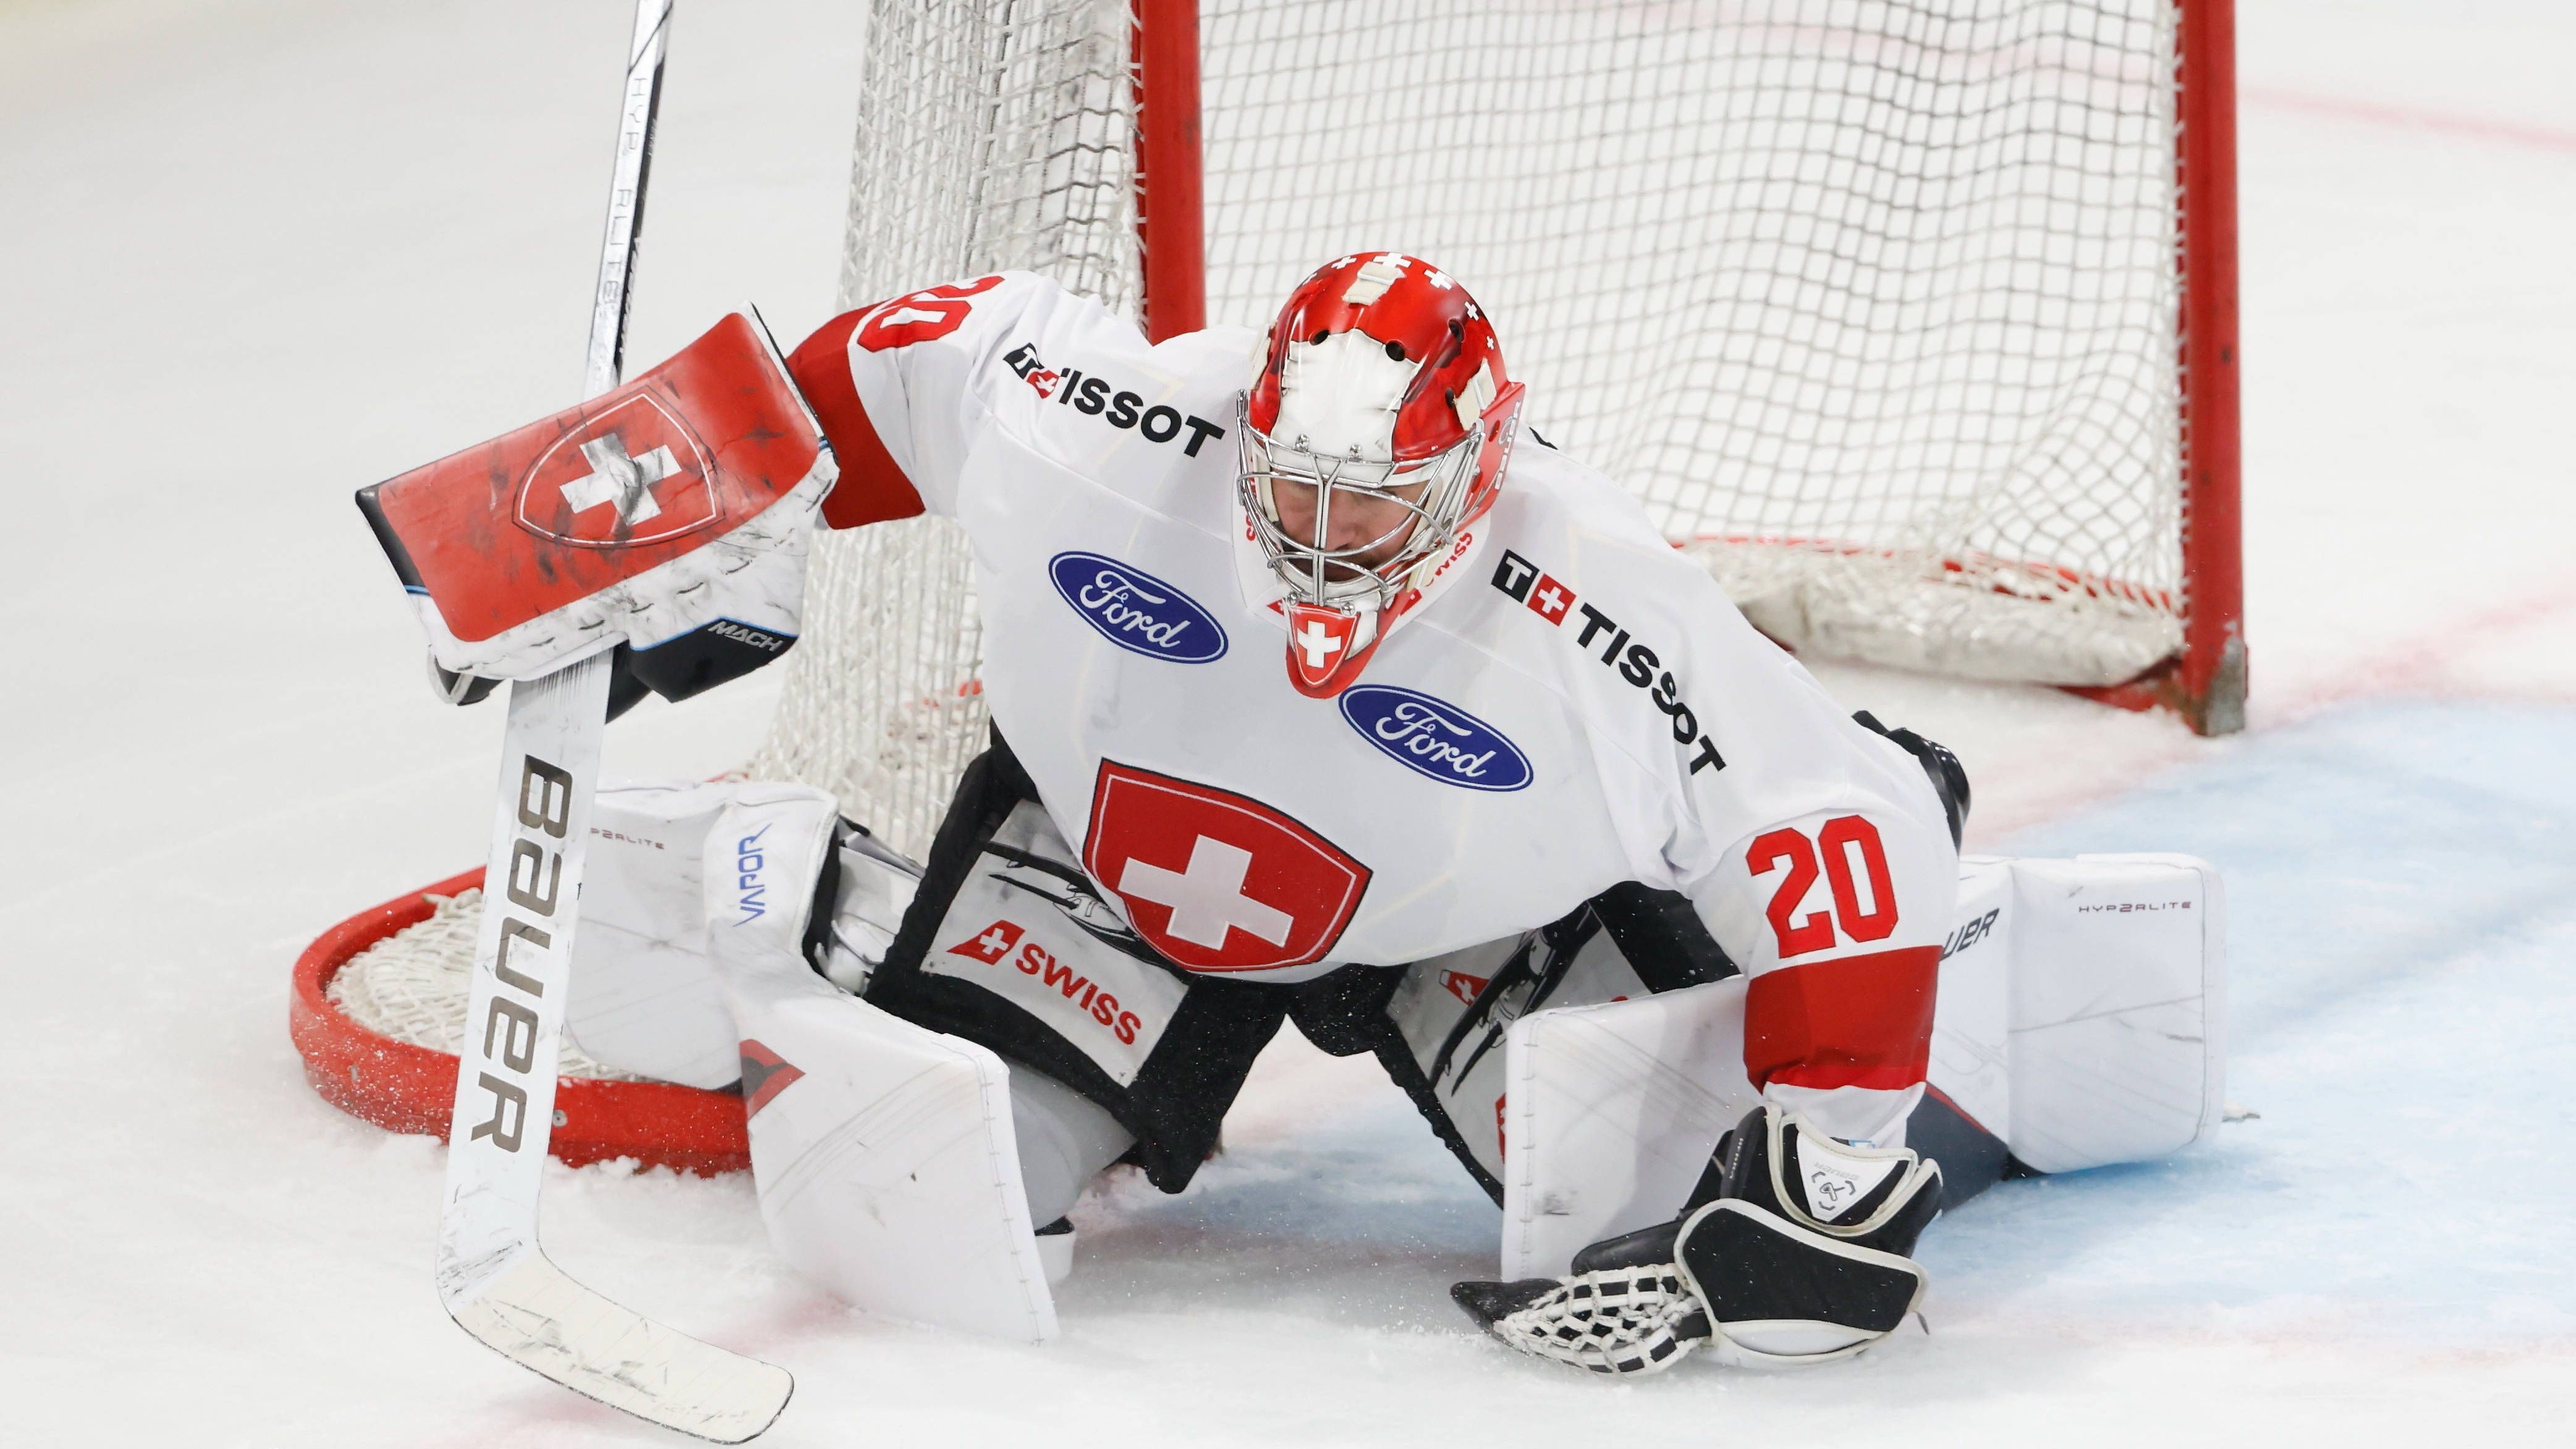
(670,515)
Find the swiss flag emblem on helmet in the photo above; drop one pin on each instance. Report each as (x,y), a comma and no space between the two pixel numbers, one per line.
(1319,648)
(629,475)
(1214,880)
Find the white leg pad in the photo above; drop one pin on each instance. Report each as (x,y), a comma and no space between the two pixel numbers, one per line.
(2118,1008)
(646,998)
(2080,1018)
(1609,1115)
(882,1152)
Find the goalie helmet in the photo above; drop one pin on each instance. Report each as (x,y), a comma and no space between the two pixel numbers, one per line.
(1381,384)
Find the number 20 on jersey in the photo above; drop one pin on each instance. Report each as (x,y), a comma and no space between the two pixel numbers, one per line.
(1849,849)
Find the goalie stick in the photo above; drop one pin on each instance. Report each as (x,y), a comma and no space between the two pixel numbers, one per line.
(493,1278)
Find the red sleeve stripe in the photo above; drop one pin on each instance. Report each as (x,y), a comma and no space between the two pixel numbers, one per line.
(1862,1021)
(873,488)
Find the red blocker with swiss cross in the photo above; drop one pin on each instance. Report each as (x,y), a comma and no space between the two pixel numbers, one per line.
(669,515)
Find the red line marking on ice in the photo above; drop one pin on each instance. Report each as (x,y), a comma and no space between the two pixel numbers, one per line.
(2420,665)
(2417,665)
(2482,128)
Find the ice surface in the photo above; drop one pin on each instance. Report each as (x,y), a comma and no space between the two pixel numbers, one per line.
(257,254)
(2402,920)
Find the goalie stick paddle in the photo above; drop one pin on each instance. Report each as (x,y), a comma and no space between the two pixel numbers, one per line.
(493,1278)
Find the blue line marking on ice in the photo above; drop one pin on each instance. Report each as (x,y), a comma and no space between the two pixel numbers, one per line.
(2401,893)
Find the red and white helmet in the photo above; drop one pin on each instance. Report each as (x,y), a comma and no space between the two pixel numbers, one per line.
(1380,374)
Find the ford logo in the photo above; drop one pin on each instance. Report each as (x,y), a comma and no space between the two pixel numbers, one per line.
(1135,610)
(1431,738)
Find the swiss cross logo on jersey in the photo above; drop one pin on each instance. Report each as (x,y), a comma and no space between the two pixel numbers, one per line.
(633,474)
(990,944)
(1214,880)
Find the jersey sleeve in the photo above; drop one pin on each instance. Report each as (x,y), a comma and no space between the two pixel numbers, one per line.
(1836,916)
(1816,851)
(902,388)
(1826,870)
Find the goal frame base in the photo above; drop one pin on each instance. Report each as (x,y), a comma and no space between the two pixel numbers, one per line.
(2210,698)
(412,1089)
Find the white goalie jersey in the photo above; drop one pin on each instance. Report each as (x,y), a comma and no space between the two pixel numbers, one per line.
(1573,705)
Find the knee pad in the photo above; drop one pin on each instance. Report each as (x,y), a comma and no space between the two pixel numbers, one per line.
(2080,1022)
(1064,1138)
(885,1156)
(646,996)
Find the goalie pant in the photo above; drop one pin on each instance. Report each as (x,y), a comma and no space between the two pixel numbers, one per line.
(1006,942)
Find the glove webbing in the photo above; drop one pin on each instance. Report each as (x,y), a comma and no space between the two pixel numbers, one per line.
(1612,1321)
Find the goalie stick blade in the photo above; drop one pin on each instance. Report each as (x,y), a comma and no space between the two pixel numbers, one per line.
(536,1316)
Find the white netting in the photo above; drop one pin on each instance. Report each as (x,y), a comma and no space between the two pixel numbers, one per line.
(992,134)
(1876,302)
(411,985)
(1873,303)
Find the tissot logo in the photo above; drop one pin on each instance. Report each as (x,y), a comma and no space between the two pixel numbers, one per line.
(1110,403)
(1542,594)
(1435,738)
(1135,610)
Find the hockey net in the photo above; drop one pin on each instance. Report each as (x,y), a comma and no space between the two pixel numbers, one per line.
(377,1010)
(411,986)
(1874,305)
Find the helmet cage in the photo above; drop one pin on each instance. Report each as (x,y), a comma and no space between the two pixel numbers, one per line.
(1335,577)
